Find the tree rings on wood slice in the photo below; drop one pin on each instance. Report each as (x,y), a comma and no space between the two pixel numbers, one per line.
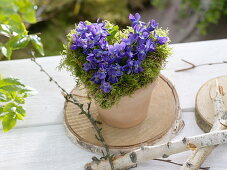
(162,123)
(204,106)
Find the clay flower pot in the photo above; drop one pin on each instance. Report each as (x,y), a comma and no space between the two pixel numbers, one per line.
(130,110)
(112,63)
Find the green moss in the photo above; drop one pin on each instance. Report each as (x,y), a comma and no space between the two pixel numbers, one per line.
(73,60)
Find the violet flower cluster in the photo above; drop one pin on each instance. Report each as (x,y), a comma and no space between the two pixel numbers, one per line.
(109,62)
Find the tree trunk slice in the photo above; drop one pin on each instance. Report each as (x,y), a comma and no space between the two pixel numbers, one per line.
(162,123)
(204,106)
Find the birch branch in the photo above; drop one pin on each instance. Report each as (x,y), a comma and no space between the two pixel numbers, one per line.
(200,155)
(164,150)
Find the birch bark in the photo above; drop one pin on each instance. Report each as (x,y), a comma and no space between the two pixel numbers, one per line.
(220,123)
(164,150)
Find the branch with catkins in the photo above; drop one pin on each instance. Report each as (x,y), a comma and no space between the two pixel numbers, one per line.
(85,110)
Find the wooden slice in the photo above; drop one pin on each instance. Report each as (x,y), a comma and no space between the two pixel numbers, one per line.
(204,105)
(163,118)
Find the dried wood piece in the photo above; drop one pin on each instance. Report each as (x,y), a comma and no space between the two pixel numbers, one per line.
(205,114)
(164,150)
(200,155)
(160,125)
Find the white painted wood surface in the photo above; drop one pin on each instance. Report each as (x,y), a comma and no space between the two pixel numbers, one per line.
(40,143)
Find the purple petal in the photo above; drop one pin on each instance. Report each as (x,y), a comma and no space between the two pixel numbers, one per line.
(137,16)
(73,47)
(131,17)
(162,40)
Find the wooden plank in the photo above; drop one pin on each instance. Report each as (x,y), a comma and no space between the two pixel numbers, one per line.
(48,147)
(47,107)
(188,83)
(36,148)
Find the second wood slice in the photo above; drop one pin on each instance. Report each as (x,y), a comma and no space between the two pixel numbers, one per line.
(163,113)
(204,105)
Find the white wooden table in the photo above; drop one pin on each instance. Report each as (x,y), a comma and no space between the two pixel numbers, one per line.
(40,143)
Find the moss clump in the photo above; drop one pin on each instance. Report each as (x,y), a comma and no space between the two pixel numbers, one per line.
(73,60)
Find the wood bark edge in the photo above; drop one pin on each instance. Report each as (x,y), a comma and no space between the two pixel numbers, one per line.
(177,125)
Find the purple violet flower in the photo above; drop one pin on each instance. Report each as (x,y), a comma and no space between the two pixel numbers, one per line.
(96,78)
(113,79)
(89,66)
(130,40)
(150,45)
(134,19)
(101,73)
(116,70)
(162,40)
(128,66)
(136,67)
(142,52)
(152,25)
(82,28)
(106,87)
(111,61)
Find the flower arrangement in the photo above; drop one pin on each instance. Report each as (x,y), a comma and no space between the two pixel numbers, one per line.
(112,63)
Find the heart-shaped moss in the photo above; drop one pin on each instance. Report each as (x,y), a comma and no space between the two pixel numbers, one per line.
(112,63)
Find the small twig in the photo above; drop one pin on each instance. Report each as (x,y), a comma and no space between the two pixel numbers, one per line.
(48,75)
(192,66)
(71,98)
(175,163)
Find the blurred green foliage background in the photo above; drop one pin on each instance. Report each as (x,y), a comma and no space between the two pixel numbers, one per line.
(52,20)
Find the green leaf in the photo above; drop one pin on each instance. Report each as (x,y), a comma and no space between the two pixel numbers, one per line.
(18,42)
(37,44)
(17,24)
(21,110)
(27,10)
(6,51)
(14,85)
(29,15)
(19,116)
(6,96)
(19,88)
(8,122)
(9,107)
(10,81)
(3,97)
(8,7)
(14,94)
(19,100)
(5,30)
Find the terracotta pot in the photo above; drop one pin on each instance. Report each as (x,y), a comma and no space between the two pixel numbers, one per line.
(130,110)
